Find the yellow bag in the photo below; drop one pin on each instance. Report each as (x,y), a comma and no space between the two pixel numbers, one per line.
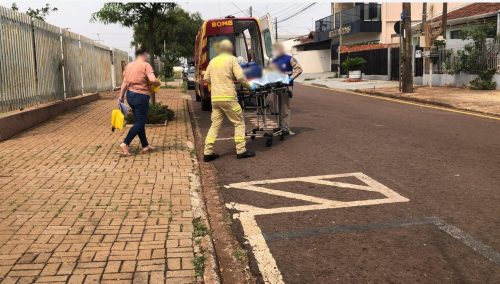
(117,120)
(154,89)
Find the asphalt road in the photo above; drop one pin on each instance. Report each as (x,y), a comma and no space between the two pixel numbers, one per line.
(445,164)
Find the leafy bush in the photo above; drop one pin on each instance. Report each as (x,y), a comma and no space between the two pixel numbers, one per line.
(157,114)
(473,58)
(439,43)
(355,63)
(484,81)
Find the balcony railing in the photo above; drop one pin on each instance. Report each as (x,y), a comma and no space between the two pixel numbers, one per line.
(361,18)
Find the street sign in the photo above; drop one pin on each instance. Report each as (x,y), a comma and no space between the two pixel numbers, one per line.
(404,15)
(344,30)
(397,27)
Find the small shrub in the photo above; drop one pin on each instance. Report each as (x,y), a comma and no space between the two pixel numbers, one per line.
(157,114)
(199,264)
(355,63)
(484,81)
(199,229)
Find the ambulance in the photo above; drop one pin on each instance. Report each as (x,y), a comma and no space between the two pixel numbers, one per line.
(252,39)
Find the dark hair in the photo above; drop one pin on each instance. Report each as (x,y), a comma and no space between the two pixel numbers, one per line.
(140,51)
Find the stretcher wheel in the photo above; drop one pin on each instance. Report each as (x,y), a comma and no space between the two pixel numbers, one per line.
(269,142)
(254,131)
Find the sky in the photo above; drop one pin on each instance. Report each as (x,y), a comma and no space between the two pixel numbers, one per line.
(75,15)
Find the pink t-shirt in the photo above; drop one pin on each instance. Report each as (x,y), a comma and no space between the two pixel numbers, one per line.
(136,76)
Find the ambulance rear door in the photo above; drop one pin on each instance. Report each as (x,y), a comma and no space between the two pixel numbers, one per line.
(267,33)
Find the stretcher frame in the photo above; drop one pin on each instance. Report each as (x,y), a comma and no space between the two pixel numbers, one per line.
(256,104)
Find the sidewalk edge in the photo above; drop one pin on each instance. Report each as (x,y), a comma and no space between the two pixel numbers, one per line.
(205,248)
(225,243)
(423,102)
(428,102)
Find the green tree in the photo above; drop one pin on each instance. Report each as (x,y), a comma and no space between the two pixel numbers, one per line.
(175,37)
(145,16)
(39,13)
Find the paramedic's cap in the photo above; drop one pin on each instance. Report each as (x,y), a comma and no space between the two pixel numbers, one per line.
(225,46)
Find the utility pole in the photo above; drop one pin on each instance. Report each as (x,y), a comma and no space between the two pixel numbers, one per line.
(276,29)
(424,17)
(250,11)
(407,60)
(340,43)
(444,19)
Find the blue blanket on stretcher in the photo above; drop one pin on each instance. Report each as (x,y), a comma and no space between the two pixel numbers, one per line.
(271,78)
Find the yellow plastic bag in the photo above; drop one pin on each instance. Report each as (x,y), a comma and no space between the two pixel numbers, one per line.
(154,89)
(117,120)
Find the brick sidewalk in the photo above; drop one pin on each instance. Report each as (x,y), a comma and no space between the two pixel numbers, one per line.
(72,210)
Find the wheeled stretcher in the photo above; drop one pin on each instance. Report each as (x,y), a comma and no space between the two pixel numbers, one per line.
(258,109)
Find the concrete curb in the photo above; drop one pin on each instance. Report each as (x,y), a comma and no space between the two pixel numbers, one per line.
(205,248)
(371,92)
(229,269)
(16,122)
(424,101)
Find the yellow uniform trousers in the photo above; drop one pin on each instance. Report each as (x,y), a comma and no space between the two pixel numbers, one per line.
(232,110)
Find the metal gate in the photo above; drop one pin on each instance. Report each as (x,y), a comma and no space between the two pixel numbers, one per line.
(395,63)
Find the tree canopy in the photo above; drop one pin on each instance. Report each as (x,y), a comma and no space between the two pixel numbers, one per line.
(163,29)
(38,13)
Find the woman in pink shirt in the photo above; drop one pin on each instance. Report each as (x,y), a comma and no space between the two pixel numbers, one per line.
(137,79)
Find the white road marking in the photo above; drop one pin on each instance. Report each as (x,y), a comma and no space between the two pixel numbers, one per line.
(265,261)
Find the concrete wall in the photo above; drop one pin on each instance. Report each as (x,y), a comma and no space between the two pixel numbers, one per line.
(314,61)
(459,80)
(14,122)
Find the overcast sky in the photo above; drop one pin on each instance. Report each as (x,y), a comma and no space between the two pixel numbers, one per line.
(76,14)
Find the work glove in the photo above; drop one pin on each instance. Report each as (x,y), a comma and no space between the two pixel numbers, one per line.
(253,87)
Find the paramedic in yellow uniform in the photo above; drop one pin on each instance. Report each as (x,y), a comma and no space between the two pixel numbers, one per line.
(221,73)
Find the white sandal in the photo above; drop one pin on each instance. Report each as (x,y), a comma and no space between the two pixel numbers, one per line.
(148,148)
(125,150)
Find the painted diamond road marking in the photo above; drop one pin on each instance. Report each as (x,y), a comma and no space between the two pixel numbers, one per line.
(246,215)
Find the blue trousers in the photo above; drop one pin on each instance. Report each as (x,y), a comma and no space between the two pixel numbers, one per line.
(139,104)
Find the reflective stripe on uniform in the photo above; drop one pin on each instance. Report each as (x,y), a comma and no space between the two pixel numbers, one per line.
(237,108)
(239,139)
(223,98)
(209,140)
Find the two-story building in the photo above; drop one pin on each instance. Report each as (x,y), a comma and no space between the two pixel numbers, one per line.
(365,30)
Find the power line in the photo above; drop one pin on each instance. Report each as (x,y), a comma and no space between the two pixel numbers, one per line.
(237,13)
(286,10)
(241,10)
(298,12)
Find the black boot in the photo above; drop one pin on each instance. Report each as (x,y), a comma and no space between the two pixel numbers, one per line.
(246,154)
(209,158)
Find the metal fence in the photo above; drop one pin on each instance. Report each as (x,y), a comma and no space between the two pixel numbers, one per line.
(42,63)
(470,59)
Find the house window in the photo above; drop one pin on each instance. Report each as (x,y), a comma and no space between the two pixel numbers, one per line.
(455,34)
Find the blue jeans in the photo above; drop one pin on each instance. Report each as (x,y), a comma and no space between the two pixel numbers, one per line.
(139,104)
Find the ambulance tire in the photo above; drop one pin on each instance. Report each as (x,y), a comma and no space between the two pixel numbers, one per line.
(206,105)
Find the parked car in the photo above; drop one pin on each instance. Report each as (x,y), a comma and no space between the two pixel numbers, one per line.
(190,78)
